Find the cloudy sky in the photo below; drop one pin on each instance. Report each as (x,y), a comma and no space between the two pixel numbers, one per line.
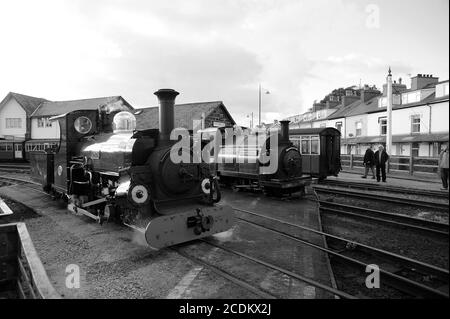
(299,50)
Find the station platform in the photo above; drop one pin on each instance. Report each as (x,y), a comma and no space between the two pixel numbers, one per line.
(392,180)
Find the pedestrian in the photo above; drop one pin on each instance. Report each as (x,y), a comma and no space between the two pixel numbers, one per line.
(381,157)
(443,166)
(369,161)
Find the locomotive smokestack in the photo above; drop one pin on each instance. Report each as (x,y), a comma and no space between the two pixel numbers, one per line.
(284,131)
(166,99)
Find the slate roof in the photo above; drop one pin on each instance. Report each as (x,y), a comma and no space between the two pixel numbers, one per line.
(405,138)
(148,118)
(57,108)
(29,103)
(371,106)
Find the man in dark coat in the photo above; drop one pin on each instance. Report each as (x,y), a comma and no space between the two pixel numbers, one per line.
(381,157)
(369,162)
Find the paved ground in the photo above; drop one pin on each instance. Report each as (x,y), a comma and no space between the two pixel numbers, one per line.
(413,183)
(431,178)
(114,262)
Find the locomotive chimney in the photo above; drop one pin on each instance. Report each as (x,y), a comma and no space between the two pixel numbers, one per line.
(284,131)
(166,99)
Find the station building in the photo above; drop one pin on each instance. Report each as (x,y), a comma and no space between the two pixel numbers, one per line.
(15,123)
(191,116)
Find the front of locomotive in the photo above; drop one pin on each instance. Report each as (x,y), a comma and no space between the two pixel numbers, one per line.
(169,197)
(288,160)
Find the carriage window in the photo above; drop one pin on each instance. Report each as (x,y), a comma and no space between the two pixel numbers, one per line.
(314,145)
(306,140)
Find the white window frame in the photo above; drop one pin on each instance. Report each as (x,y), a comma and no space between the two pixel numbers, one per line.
(415,117)
(359,123)
(380,124)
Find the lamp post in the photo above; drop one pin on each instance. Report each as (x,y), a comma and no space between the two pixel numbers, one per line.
(259,103)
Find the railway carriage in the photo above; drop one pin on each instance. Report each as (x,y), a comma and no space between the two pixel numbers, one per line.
(320,149)
(107,170)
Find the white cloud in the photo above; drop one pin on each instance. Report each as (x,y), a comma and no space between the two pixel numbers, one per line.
(209,49)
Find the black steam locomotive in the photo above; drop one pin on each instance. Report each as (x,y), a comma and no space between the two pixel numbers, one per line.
(245,162)
(109,171)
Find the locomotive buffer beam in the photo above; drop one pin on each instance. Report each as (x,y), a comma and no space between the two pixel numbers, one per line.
(169,230)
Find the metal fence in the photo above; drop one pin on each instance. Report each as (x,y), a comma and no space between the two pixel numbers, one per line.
(403,164)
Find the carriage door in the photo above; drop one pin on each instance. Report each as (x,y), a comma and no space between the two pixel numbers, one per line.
(330,154)
(18,154)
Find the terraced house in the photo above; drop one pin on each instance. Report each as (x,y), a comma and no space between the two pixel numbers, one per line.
(419,116)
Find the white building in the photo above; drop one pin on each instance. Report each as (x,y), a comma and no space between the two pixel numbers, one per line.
(419,117)
(15,124)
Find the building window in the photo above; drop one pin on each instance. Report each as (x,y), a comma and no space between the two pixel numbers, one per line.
(44,122)
(415,124)
(6,147)
(382,121)
(415,149)
(338,126)
(40,147)
(358,128)
(14,123)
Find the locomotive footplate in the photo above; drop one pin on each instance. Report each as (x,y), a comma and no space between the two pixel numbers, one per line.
(194,224)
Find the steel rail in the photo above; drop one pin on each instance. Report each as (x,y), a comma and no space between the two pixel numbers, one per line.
(443,274)
(257,291)
(399,282)
(386,217)
(285,271)
(388,188)
(378,197)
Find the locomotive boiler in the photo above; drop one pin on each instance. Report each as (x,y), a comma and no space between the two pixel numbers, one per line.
(242,163)
(109,171)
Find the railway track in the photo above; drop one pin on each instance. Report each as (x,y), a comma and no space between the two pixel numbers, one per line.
(402,221)
(396,281)
(386,188)
(257,290)
(383,198)
(14,168)
(404,284)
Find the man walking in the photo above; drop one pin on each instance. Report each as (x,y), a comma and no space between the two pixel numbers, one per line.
(381,157)
(368,162)
(443,166)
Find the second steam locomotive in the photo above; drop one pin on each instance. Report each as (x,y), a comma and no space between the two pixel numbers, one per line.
(109,171)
